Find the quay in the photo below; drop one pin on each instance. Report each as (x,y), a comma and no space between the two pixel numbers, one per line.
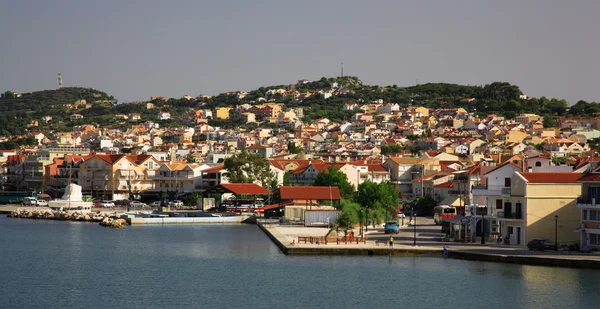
(429,244)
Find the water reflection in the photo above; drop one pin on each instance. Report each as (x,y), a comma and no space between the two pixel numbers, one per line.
(238,266)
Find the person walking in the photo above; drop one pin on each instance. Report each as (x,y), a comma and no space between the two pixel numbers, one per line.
(391,242)
(445,251)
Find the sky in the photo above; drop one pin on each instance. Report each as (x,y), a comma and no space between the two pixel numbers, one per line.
(135,49)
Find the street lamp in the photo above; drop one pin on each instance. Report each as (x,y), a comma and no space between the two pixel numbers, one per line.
(556,233)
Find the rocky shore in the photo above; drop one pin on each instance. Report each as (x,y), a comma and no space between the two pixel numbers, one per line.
(105,219)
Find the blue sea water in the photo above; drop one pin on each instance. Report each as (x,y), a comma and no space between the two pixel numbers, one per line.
(53,264)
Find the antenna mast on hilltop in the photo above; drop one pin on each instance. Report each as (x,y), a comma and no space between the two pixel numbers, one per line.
(342,70)
(60,84)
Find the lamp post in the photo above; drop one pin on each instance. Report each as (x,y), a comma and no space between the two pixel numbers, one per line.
(414,215)
(556,233)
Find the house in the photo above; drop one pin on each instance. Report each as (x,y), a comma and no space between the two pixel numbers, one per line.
(164,116)
(589,206)
(307,174)
(541,206)
(177,176)
(117,177)
(222,112)
(263,151)
(498,181)
(404,170)
(76,117)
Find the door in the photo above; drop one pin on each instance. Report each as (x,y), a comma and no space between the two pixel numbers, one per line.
(518,237)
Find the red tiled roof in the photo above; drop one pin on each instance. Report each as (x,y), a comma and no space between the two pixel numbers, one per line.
(591,177)
(214,168)
(551,177)
(244,188)
(446,185)
(309,193)
(503,164)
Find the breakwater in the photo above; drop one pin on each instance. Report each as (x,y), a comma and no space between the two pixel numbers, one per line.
(104,219)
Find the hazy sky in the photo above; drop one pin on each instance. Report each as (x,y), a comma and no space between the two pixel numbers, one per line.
(134,49)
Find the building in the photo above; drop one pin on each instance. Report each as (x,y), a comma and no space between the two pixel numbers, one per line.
(588,205)
(541,206)
(222,112)
(404,170)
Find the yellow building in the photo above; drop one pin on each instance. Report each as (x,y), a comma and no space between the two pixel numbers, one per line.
(117,176)
(540,205)
(516,136)
(222,112)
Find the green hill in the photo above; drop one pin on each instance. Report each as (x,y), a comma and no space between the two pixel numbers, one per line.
(17,112)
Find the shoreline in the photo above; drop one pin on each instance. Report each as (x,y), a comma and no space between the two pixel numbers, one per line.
(456,251)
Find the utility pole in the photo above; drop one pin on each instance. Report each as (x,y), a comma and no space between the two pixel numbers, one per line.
(556,233)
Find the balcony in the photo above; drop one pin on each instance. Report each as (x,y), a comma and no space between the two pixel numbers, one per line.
(509,215)
(506,191)
(587,202)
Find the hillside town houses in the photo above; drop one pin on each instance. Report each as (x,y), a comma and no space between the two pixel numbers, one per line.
(527,176)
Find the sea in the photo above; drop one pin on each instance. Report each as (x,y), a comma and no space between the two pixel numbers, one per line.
(56,264)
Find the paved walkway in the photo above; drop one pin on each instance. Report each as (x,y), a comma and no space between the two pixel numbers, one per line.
(428,238)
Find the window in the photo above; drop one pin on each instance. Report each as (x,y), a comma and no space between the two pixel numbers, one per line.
(593,215)
(538,164)
(498,204)
(507,182)
(594,239)
(585,214)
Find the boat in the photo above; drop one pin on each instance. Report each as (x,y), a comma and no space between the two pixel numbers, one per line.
(72,200)
(186,218)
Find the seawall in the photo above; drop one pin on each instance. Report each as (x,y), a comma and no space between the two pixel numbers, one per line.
(482,254)
(526,260)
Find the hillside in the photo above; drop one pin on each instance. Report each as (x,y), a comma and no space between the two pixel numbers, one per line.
(498,97)
(17,111)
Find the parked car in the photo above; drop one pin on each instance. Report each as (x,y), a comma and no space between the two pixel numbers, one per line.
(176,203)
(540,244)
(41,203)
(391,227)
(155,204)
(137,204)
(107,204)
(29,201)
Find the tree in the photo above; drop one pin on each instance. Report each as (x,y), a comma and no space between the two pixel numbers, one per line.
(391,148)
(191,159)
(425,204)
(540,146)
(549,121)
(350,213)
(378,198)
(8,95)
(332,176)
(292,148)
(247,167)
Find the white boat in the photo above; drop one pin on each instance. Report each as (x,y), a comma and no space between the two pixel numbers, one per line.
(72,200)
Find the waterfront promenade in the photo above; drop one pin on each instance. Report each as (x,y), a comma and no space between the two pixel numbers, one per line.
(429,243)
